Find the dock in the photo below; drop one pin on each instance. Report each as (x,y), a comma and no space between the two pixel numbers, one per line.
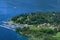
(11,26)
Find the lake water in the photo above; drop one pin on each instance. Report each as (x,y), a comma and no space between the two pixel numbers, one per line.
(6,34)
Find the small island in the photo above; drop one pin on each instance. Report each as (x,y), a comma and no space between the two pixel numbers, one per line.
(38,25)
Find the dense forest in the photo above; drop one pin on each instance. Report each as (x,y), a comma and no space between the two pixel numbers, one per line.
(35,18)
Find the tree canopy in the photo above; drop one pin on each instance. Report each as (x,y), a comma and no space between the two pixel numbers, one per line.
(35,18)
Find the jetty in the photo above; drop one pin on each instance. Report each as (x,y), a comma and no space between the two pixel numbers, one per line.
(11,26)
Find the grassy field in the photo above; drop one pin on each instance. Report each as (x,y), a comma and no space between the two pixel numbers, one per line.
(58,34)
(34,28)
(39,33)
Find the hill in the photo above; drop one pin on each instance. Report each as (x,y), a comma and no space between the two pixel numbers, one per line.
(35,18)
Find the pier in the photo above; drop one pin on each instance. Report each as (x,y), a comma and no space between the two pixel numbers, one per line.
(11,26)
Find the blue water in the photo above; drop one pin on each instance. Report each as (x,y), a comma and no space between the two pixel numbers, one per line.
(21,6)
(6,34)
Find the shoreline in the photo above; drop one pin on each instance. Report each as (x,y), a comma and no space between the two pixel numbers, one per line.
(11,26)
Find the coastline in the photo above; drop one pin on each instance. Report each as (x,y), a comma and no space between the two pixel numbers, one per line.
(10,26)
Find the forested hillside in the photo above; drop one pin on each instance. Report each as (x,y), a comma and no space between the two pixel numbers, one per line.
(35,18)
(34,32)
